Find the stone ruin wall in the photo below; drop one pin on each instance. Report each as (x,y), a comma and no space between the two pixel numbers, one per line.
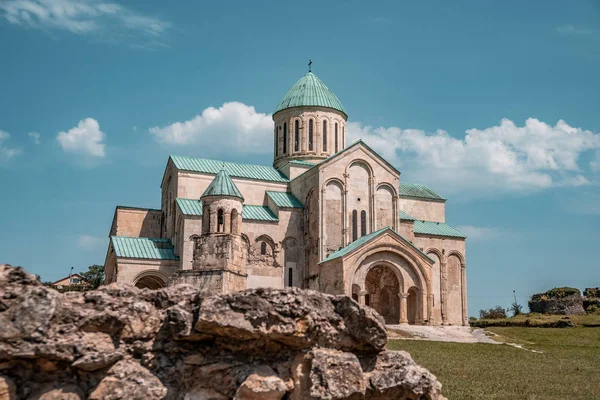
(120,342)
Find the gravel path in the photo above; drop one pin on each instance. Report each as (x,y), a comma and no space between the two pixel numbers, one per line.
(458,334)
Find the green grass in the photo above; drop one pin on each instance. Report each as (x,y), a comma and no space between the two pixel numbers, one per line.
(540,319)
(568,368)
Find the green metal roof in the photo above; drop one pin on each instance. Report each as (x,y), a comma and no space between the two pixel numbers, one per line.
(222,185)
(190,206)
(236,170)
(418,191)
(364,239)
(437,228)
(284,199)
(354,245)
(146,248)
(310,91)
(258,213)
(405,216)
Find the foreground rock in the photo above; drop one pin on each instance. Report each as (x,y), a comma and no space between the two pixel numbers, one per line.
(120,342)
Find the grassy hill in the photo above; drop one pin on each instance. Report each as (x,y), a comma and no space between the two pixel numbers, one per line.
(567,367)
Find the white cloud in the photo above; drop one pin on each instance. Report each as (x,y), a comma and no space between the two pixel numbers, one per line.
(595,163)
(233,127)
(502,158)
(87,242)
(575,30)
(6,153)
(81,17)
(36,137)
(479,233)
(85,139)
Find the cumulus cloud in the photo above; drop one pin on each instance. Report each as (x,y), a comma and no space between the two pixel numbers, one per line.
(81,17)
(85,139)
(505,157)
(87,242)
(479,233)
(233,127)
(573,30)
(6,153)
(35,136)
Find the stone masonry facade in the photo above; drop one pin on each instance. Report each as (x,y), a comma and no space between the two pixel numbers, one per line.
(346,226)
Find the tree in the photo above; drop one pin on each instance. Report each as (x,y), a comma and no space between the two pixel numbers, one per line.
(493,313)
(515,307)
(94,276)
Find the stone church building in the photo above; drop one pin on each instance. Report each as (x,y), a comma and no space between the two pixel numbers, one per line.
(327,216)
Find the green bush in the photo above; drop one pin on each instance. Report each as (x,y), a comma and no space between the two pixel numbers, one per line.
(592,292)
(493,313)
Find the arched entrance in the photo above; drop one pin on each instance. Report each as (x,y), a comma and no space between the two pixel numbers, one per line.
(382,289)
(150,281)
(411,305)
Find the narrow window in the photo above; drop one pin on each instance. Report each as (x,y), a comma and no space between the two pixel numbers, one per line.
(354,225)
(296,135)
(310,135)
(263,248)
(336,138)
(284,137)
(343,137)
(363,223)
(324,135)
(290,277)
(367,299)
(220,220)
(276,143)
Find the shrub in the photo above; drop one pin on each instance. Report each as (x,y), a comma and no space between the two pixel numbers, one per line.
(592,292)
(493,313)
(516,308)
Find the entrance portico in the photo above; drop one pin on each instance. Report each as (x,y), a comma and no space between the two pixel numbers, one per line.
(387,273)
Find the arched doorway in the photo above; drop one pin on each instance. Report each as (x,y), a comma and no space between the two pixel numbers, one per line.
(150,281)
(411,305)
(382,289)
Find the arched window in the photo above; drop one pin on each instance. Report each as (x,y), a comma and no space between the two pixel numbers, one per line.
(284,137)
(354,225)
(310,135)
(276,143)
(296,135)
(290,277)
(263,248)
(363,223)
(325,135)
(220,220)
(336,138)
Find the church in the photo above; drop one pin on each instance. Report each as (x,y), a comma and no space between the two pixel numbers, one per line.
(327,215)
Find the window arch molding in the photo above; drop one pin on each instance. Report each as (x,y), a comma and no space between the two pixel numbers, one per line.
(265,239)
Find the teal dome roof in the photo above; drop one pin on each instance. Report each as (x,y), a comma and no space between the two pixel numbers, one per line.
(310,91)
(222,185)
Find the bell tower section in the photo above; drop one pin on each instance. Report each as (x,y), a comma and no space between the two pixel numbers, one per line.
(310,123)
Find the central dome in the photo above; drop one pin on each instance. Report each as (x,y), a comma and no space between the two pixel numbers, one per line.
(310,91)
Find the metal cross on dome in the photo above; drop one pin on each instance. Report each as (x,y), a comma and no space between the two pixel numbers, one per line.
(309,65)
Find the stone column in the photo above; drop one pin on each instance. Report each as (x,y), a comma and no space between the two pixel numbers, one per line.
(430,309)
(361,297)
(213,222)
(463,291)
(227,222)
(443,287)
(403,308)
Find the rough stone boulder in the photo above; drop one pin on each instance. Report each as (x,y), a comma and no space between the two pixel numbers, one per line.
(120,342)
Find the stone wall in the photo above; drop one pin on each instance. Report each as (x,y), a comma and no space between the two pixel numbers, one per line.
(120,342)
(136,222)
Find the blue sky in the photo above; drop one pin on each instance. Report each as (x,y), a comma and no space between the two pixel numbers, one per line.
(493,104)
